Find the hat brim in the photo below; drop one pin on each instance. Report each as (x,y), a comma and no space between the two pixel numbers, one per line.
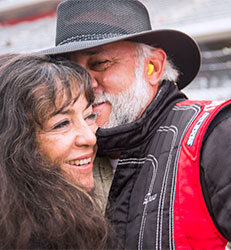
(181,49)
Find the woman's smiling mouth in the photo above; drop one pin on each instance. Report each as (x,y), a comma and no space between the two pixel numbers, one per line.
(84,162)
(80,162)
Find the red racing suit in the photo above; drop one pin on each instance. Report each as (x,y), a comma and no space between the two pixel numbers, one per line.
(193,226)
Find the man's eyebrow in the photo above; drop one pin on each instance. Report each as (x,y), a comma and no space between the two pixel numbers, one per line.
(92,52)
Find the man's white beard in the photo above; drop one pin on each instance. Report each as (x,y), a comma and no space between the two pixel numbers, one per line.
(126,106)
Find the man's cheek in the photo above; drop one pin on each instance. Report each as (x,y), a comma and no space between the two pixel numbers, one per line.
(103,112)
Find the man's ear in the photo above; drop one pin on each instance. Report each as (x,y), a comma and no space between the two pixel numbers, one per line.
(154,66)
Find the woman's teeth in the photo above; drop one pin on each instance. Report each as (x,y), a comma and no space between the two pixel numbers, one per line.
(80,162)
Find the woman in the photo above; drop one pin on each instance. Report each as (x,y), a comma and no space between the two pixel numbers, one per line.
(6,57)
(47,138)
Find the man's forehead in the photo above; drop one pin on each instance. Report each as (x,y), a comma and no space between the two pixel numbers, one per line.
(87,52)
(104,48)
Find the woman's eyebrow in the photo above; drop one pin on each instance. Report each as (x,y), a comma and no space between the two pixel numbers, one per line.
(67,111)
(63,112)
(88,105)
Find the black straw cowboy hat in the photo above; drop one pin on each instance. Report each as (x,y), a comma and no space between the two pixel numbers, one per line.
(84,24)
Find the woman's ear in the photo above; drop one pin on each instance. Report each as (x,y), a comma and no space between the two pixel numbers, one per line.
(154,66)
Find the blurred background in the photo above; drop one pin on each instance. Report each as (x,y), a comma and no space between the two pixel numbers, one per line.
(29,25)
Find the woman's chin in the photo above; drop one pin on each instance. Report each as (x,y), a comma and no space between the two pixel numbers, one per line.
(89,188)
(82,177)
(87,185)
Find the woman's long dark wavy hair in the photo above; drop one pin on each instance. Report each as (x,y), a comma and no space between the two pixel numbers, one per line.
(39,208)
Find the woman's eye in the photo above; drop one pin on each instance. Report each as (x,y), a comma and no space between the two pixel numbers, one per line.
(61,124)
(91,118)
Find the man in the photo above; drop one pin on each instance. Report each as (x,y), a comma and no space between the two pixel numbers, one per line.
(171,156)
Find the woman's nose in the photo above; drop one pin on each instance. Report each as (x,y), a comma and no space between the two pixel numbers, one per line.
(86,135)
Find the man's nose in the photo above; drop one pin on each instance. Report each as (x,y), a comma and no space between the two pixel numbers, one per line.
(83,62)
(94,81)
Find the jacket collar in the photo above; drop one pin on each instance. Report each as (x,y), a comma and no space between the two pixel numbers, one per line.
(130,135)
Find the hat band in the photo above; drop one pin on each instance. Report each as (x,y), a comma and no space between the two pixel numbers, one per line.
(80,38)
